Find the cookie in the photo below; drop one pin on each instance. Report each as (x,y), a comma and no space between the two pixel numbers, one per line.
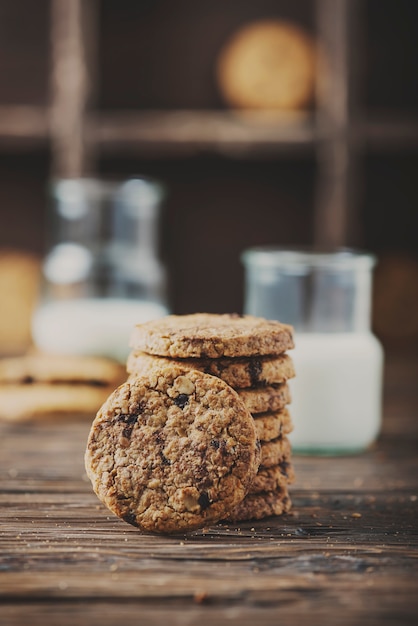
(273,425)
(273,478)
(260,505)
(273,452)
(286,469)
(38,367)
(268,65)
(172,450)
(265,399)
(40,386)
(261,400)
(45,401)
(213,336)
(239,372)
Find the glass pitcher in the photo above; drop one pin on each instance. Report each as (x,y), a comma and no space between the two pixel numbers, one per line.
(102,273)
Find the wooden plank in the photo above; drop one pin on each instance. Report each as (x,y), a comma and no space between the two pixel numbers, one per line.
(70,548)
(288,608)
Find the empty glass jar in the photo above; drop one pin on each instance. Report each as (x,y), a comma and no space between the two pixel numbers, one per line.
(102,273)
(326,296)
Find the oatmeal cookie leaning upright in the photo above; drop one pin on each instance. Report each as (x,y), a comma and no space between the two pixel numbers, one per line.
(172,450)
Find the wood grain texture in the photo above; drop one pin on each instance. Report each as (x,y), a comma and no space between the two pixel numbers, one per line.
(346,554)
(186,132)
(73,46)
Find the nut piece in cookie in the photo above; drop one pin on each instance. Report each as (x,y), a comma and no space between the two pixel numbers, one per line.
(172,450)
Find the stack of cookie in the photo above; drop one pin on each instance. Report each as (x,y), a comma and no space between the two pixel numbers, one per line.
(248,354)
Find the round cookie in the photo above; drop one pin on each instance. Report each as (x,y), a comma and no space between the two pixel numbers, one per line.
(260,505)
(211,335)
(48,368)
(272,479)
(265,399)
(240,372)
(269,64)
(273,425)
(43,401)
(42,386)
(172,451)
(273,452)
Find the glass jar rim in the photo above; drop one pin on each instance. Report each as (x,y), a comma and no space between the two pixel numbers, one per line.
(283,257)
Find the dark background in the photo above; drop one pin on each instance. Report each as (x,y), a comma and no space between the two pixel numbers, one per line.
(160,55)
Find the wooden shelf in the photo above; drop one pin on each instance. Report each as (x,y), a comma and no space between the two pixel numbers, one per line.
(187,131)
(390,131)
(23,126)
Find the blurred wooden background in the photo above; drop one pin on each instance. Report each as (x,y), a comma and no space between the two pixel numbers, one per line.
(122,87)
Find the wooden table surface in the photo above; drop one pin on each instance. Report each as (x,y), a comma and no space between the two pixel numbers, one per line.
(347,554)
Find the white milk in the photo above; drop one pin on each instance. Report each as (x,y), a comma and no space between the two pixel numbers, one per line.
(336,395)
(91,326)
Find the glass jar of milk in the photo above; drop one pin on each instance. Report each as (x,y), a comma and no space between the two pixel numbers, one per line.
(326,296)
(102,273)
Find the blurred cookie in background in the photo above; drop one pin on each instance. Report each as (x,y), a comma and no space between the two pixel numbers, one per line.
(19,286)
(268,65)
(41,386)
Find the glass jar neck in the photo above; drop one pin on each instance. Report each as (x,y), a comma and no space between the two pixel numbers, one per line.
(321,292)
(104,240)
